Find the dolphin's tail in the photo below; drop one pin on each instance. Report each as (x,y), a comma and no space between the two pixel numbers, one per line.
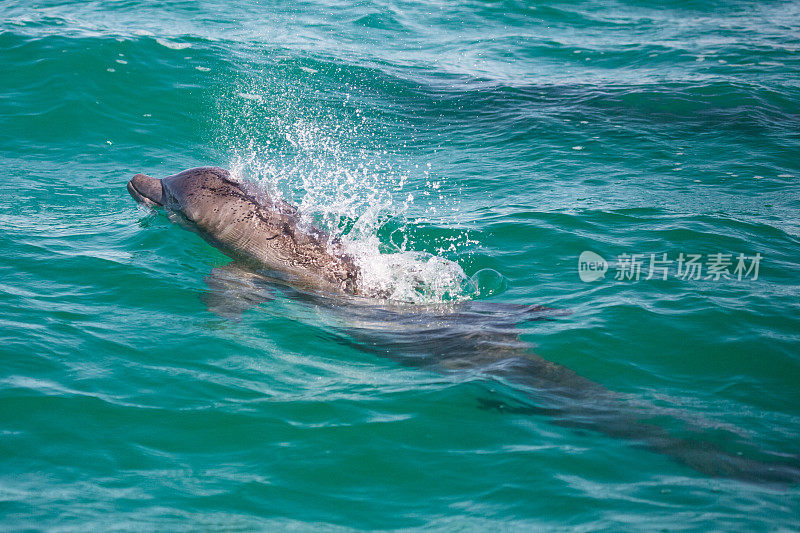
(570,400)
(710,459)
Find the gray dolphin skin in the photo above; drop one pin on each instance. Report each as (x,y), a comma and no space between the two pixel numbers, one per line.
(261,231)
(273,251)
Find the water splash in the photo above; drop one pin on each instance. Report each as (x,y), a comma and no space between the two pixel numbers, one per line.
(330,167)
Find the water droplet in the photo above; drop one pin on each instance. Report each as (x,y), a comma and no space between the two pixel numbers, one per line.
(488,282)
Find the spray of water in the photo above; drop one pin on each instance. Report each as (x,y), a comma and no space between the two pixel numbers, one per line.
(331,167)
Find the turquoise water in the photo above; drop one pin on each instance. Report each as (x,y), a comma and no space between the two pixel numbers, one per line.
(504,137)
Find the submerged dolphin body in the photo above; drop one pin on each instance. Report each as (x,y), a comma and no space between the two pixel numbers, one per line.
(274,251)
(482,338)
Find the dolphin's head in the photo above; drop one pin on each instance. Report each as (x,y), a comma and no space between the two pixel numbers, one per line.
(204,196)
(146,190)
(191,192)
(201,195)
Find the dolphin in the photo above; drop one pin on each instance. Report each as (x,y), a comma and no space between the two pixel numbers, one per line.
(250,227)
(273,249)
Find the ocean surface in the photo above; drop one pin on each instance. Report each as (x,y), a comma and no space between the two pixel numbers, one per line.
(468,154)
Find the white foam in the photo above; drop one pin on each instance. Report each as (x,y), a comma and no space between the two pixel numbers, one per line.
(173,45)
(250,96)
(407,276)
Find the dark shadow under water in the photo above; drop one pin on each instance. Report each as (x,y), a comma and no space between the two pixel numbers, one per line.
(482,337)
